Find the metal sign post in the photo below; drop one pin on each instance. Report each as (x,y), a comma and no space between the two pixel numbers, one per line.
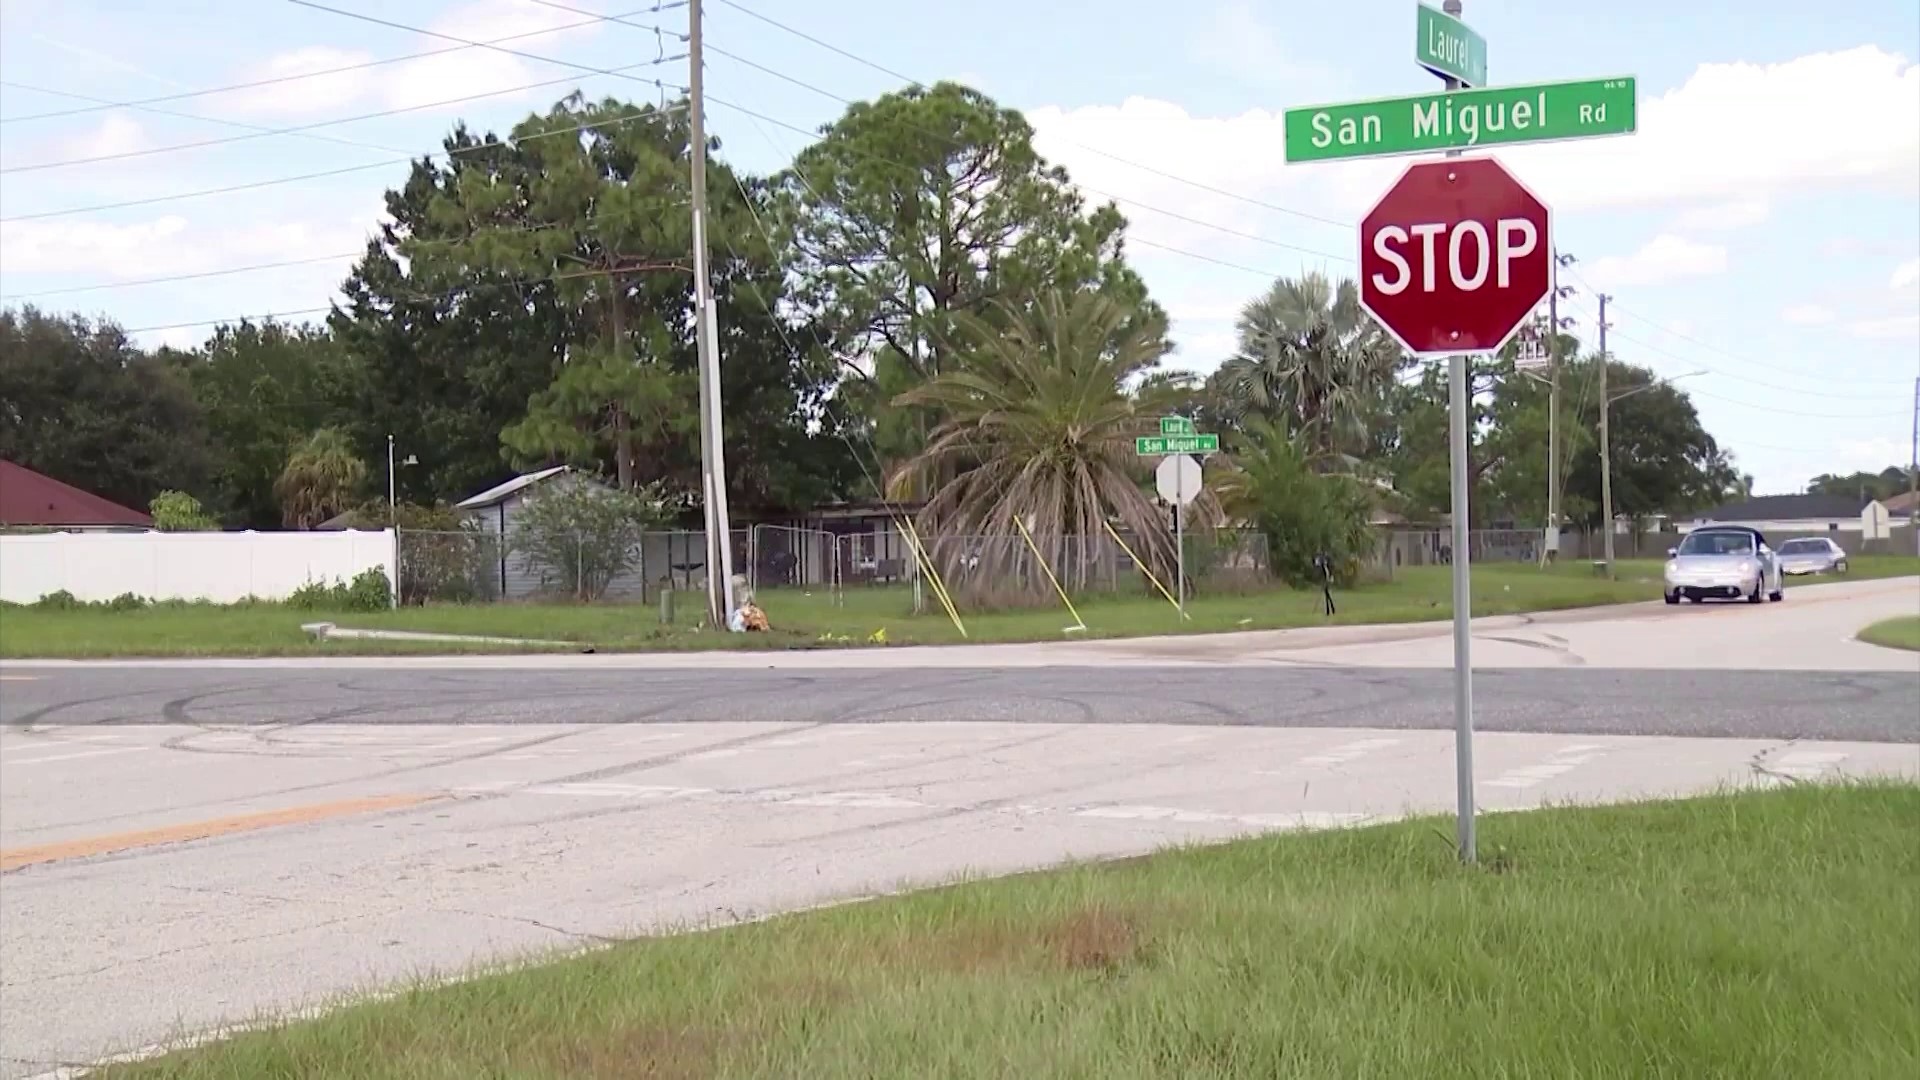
(1177,479)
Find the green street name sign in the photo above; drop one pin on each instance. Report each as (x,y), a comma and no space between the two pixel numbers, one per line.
(1454,120)
(1175,425)
(1159,445)
(1447,47)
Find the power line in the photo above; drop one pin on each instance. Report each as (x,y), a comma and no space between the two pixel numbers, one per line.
(296,77)
(110,104)
(166,279)
(261,133)
(274,181)
(522,54)
(415,296)
(183,277)
(909,80)
(1745,360)
(1106,194)
(1736,401)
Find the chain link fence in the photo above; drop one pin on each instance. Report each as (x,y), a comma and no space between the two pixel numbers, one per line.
(472,566)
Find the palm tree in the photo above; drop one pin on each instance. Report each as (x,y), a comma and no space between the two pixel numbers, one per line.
(320,479)
(1312,361)
(1037,426)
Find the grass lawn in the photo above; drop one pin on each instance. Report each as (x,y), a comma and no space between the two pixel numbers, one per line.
(1765,934)
(805,620)
(1901,633)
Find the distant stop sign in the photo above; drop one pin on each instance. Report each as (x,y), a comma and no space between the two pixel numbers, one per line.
(1455,256)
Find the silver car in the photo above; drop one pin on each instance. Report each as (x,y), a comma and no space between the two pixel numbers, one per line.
(1813,555)
(1724,562)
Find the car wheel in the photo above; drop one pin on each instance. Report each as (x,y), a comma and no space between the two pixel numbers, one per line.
(1672,597)
(1778,594)
(1754,596)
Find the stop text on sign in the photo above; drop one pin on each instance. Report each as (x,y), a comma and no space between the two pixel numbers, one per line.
(1454,256)
(1472,255)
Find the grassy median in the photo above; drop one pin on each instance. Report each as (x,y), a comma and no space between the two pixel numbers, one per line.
(1901,633)
(1761,934)
(804,619)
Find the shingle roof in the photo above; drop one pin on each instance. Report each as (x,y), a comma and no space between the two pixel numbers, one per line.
(1789,508)
(500,492)
(31,498)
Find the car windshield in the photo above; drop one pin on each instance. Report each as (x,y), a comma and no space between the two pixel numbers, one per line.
(1717,543)
(1804,547)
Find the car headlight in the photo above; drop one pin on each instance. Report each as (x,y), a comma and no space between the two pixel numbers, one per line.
(1748,566)
(1673,567)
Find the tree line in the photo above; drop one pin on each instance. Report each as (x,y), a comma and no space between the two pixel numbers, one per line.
(919,307)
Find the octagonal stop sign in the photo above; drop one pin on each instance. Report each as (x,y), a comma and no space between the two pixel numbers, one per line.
(1455,256)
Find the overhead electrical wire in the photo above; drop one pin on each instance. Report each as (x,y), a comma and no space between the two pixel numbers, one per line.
(255,84)
(275,181)
(299,129)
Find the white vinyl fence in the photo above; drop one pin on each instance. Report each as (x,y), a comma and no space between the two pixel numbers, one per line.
(221,567)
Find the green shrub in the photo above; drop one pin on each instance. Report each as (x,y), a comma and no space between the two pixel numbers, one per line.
(1302,512)
(59,600)
(370,590)
(177,511)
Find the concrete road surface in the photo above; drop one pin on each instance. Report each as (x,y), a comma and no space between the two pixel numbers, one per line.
(187,845)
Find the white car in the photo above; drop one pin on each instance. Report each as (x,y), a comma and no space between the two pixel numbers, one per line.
(1812,555)
(1725,562)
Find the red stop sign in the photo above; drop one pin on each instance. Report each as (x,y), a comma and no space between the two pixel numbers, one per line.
(1455,256)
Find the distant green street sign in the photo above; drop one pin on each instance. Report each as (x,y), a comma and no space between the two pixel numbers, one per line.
(1175,425)
(1448,47)
(1454,120)
(1157,445)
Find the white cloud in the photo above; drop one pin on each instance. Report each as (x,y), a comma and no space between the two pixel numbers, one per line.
(1807,315)
(1893,328)
(166,245)
(452,72)
(1731,134)
(313,95)
(1664,258)
(470,72)
(117,133)
(1906,275)
(1723,217)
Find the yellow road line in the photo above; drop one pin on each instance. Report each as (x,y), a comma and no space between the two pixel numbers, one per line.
(14,858)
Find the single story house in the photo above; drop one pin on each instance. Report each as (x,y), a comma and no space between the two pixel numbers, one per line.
(1788,514)
(667,559)
(32,499)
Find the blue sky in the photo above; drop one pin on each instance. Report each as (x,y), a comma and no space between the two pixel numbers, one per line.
(1763,226)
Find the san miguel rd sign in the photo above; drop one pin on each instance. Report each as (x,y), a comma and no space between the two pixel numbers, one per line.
(1158,445)
(1447,47)
(1460,119)
(1455,256)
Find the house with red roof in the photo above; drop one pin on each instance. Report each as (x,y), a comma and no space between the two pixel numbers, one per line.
(28,498)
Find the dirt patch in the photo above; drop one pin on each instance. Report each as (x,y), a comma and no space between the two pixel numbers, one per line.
(1098,939)
(1095,940)
(634,1052)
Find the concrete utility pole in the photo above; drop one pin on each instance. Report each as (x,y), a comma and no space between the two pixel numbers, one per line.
(1552,545)
(713,468)
(1606,455)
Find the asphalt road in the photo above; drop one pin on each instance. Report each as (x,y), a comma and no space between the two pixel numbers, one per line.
(185,845)
(1859,706)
